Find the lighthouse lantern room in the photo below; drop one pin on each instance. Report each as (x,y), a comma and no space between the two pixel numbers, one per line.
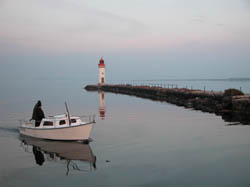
(101,67)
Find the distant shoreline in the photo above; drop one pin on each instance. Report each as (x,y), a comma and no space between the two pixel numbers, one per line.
(210,79)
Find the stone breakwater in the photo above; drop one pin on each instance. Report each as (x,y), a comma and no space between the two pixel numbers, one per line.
(232,108)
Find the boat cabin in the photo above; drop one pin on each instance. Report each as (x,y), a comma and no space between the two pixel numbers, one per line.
(59,121)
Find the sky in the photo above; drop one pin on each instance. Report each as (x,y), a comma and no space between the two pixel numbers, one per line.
(139,39)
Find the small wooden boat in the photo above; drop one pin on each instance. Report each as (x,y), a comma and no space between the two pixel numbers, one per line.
(60,127)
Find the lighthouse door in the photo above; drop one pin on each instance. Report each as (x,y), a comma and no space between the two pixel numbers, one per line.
(102,80)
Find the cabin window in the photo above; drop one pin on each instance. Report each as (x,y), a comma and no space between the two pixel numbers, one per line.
(73,120)
(62,122)
(48,123)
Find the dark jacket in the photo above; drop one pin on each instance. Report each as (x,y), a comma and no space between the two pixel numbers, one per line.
(38,114)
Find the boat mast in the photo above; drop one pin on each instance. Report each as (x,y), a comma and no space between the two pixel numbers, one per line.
(67,112)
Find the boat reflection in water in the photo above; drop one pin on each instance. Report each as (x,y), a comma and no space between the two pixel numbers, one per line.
(66,152)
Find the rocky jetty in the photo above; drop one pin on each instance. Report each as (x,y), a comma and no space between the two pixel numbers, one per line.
(232,104)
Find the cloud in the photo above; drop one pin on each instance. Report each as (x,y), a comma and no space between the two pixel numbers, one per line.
(248,3)
(46,24)
(198,19)
(93,19)
(220,24)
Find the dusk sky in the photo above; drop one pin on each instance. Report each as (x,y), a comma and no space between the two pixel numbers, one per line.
(139,39)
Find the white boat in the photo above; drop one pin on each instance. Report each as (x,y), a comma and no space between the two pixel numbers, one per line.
(60,127)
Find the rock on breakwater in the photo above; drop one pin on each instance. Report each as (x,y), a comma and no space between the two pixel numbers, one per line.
(232,108)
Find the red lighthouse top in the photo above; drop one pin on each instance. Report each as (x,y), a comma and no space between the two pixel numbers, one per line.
(101,63)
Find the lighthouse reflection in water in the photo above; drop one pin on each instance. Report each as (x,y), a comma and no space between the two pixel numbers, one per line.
(102,108)
(75,156)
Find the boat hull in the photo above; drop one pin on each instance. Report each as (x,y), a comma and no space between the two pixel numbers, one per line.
(79,132)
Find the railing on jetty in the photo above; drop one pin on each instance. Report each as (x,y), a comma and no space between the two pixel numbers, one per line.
(180,83)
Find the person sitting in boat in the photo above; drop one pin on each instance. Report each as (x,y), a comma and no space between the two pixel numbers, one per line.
(38,114)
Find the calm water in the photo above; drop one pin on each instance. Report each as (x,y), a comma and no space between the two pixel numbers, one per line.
(137,143)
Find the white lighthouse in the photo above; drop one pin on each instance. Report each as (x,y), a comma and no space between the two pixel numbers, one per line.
(101,67)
